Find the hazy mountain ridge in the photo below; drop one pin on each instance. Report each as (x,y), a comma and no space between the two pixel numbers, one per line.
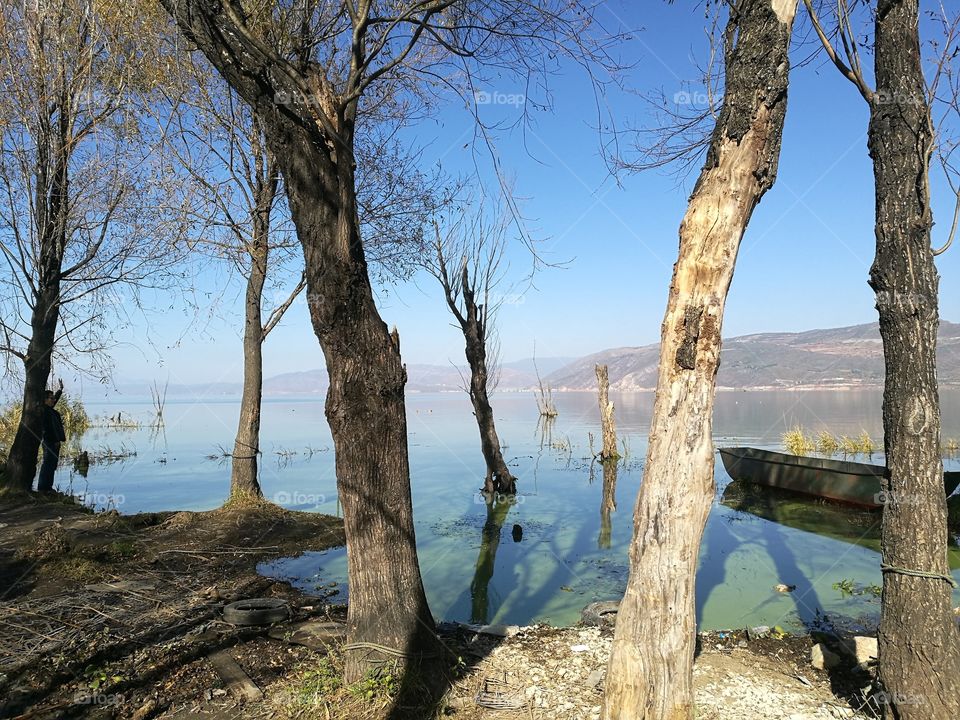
(515,375)
(837,357)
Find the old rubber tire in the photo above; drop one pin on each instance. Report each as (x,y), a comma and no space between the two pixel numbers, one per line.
(256,611)
(600,613)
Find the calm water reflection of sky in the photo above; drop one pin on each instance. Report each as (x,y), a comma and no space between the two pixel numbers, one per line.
(574,542)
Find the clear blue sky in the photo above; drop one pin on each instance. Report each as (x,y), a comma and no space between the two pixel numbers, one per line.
(803,263)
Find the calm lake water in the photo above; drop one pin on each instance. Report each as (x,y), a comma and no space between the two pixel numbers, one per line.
(576,523)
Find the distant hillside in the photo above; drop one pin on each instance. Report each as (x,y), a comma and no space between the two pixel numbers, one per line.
(841,357)
(420,377)
(516,375)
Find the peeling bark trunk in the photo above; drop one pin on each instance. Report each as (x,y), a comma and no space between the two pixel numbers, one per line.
(918,639)
(650,670)
(607,424)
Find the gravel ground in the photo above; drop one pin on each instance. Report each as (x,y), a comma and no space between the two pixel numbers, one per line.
(558,673)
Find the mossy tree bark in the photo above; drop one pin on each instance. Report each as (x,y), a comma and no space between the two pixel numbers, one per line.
(650,673)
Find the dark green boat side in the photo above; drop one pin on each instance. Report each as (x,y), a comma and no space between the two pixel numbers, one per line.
(846,482)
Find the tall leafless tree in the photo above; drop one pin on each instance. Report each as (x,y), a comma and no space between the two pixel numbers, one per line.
(242,219)
(241,216)
(86,218)
(356,61)
(467,261)
(650,673)
(919,645)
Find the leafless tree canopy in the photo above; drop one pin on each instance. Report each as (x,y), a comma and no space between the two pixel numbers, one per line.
(468,259)
(77,163)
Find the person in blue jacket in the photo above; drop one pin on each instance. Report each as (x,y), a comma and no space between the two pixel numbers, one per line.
(53,435)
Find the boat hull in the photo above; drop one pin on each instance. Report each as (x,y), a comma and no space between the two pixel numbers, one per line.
(846,482)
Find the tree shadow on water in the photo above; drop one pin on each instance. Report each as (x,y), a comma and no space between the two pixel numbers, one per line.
(465,650)
(422,691)
(783,514)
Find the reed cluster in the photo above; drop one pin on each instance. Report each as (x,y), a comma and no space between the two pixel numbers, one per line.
(796,441)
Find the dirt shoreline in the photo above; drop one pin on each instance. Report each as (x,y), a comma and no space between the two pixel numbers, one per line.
(117,617)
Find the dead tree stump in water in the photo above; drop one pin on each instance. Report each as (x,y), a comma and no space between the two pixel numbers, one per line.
(608,426)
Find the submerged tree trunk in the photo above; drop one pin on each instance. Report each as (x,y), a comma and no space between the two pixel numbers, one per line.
(650,670)
(499,479)
(608,503)
(918,640)
(607,424)
(460,290)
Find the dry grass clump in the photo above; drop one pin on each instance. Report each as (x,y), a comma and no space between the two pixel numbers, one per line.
(827,444)
(796,441)
(863,444)
(951,446)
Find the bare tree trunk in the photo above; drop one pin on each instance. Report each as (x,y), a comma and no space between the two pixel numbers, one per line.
(22,461)
(314,149)
(607,424)
(918,639)
(246,448)
(650,670)
(51,208)
(460,290)
(244,482)
(365,410)
(499,479)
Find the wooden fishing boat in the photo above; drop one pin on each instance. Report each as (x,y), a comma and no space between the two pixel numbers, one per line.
(847,482)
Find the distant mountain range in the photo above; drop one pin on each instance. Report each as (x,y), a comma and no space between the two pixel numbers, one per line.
(835,358)
(840,357)
(517,375)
